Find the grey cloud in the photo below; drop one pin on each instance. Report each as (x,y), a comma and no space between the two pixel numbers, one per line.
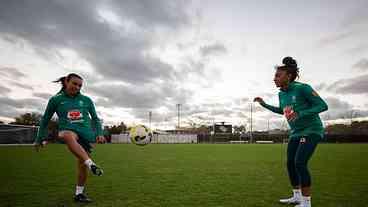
(213,49)
(11,73)
(337,104)
(143,115)
(269,95)
(359,113)
(162,13)
(357,16)
(357,49)
(24,103)
(242,100)
(8,111)
(42,95)
(218,112)
(335,38)
(13,107)
(361,65)
(10,102)
(115,52)
(21,85)
(353,25)
(209,111)
(139,96)
(356,85)
(242,115)
(197,71)
(332,87)
(320,86)
(4,90)
(184,46)
(337,109)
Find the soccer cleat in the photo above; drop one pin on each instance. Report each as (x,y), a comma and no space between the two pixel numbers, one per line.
(292,200)
(96,170)
(81,198)
(305,203)
(301,205)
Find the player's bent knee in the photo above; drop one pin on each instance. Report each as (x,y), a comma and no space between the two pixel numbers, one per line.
(68,136)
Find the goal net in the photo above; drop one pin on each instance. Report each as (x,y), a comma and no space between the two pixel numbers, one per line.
(17,134)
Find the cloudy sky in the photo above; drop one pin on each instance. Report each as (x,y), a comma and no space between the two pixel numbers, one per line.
(212,57)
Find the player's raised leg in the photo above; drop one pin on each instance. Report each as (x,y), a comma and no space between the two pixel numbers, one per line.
(70,138)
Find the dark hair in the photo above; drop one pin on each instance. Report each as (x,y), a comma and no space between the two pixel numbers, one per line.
(290,66)
(66,78)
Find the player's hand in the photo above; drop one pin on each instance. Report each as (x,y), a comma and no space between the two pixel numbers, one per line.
(100,139)
(39,145)
(259,100)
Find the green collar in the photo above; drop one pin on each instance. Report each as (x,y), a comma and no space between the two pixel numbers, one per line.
(290,86)
(62,91)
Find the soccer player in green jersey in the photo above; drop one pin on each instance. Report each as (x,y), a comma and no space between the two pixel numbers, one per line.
(74,111)
(301,106)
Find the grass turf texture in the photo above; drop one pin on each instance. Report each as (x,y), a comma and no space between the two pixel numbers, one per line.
(182,175)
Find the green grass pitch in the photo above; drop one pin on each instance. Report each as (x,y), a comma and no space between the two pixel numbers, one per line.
(182,175)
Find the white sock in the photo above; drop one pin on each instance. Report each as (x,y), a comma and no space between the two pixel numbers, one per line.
(79,189)
(89,162)
(306,201)
(297,193)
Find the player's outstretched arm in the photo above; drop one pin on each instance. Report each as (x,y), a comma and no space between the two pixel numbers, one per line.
(96,121)
(274,109)
(42,131)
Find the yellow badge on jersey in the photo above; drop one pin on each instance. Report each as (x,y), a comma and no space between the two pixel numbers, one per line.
(314,93)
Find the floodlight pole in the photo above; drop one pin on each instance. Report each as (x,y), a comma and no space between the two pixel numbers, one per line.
(150,118)
(178,106)
(268,128)
(251,123)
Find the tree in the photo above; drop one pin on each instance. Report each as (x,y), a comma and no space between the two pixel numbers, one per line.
(117,129)
(123,127)
(240,129)
(28,119)
(53,128)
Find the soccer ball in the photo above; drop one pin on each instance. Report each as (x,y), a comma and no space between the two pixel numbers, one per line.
(140,135)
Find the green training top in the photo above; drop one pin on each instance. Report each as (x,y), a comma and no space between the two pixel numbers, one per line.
(73,113)
(307,104)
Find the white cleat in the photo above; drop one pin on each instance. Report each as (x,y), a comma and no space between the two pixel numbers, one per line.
(304,204)
(292,200)
(301,205)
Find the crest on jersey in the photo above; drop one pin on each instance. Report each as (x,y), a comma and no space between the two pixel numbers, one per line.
(74,115)
(303,140)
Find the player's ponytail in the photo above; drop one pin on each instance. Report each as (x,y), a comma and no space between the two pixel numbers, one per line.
(64,79)
(290,65)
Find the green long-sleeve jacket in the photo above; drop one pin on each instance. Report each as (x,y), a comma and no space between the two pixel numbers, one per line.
(307,104)
(74,114)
